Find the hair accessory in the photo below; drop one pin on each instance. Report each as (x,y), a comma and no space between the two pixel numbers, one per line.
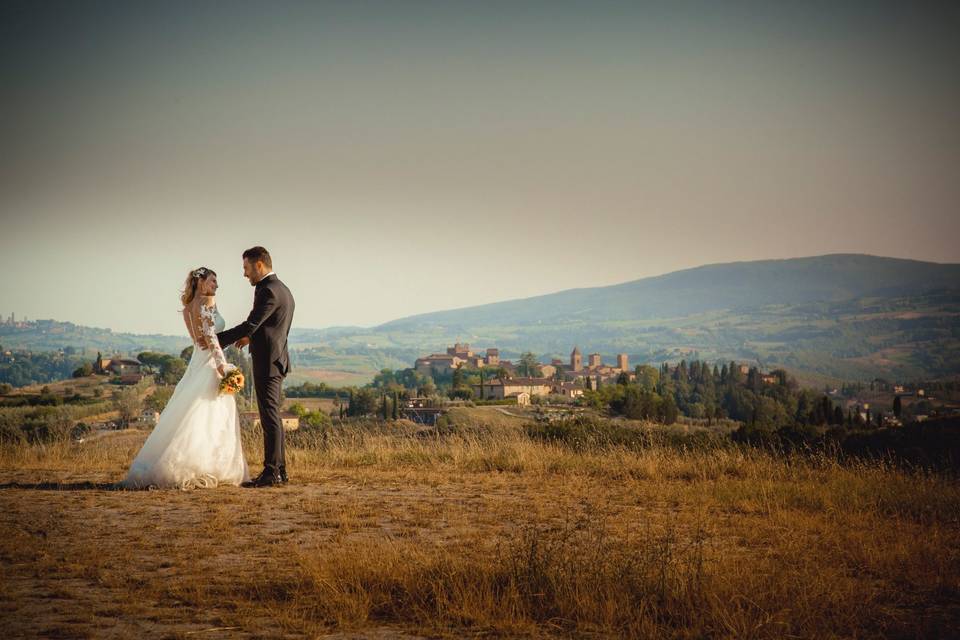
(199,273)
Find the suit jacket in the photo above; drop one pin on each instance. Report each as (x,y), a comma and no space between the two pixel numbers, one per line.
(267,327)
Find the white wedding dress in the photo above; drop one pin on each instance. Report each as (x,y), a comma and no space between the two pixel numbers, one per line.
(196,442)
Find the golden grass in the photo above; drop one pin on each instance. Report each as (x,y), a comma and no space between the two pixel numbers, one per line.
(485,531)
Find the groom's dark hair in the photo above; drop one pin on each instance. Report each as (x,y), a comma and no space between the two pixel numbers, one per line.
(258,253)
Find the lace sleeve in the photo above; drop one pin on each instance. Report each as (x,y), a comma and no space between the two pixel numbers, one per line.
(207,326)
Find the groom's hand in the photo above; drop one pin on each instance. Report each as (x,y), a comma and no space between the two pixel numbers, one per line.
(241,343)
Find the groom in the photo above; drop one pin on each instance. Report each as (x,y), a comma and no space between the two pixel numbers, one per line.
(265,330)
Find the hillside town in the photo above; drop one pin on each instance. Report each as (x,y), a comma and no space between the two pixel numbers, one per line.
(557,377)
(494,379)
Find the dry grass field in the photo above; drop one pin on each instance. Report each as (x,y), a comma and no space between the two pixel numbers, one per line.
(478,531)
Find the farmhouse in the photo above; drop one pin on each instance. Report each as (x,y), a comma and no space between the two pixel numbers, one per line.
(498,389)
(117,365)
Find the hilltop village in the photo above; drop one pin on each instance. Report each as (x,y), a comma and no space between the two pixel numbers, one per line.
(526,378)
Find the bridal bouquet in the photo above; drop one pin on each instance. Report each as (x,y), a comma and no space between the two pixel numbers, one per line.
(232,382)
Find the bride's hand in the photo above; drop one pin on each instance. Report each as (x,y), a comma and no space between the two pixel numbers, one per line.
(222,369)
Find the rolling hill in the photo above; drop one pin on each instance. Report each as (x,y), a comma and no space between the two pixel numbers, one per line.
(843,316)
(732,286)
(826,318)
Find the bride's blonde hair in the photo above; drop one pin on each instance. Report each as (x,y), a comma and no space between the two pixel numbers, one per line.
(192,282)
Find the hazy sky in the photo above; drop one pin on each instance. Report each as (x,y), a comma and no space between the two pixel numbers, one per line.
(404,157)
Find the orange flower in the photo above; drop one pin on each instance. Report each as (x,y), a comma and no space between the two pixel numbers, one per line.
(232,382)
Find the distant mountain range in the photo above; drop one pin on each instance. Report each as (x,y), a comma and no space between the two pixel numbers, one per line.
(732,286)
(841,316)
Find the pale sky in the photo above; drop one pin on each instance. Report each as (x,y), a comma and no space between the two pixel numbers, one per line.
(404,157)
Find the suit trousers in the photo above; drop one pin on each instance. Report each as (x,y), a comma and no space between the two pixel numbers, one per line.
(268,402)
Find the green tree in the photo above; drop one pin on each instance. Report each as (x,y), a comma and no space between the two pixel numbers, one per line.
(428,388)
(127,403)
(669,411)
(152,358)
(315,419)
(528,367)
(363,402)
(385,378)
(647,377)
(172,370)
(457,381)
(159,398)
(298,409)
(84,370)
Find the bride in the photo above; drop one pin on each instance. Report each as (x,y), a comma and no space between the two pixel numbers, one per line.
(196,442)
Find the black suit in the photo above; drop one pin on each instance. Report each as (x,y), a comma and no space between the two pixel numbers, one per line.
(267,327)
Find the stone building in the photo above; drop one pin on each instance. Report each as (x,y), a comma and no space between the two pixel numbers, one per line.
(498,389)
(459,354)
(576,360)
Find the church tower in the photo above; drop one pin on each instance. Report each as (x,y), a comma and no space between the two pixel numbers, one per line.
(576,360)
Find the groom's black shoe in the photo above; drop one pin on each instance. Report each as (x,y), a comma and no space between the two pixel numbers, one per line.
(267,478)
(283,475)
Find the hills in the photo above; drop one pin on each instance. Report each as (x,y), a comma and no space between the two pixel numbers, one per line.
(841,316)
(52,335)
(731,286)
